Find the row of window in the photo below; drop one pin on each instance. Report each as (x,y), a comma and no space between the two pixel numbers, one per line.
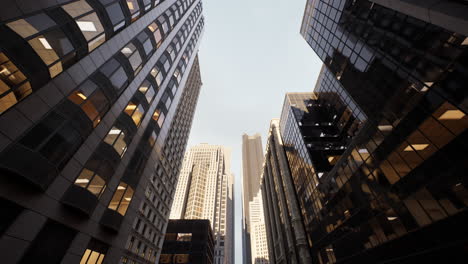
(54,37)
(64,129)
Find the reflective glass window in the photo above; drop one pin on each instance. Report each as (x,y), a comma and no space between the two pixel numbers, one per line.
(121,198)
(91,181)
(47,40)
(13,84)
(88,22)
(116,138)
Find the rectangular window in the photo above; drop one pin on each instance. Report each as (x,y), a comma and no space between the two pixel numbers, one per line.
(94,253)
(91,181)
(122,198)
(116,138)
(135,112)
(88,22)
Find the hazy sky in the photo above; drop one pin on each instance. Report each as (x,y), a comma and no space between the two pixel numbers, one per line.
(251,55)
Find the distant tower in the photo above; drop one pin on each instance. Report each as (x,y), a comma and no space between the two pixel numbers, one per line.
(252,160)
(205,191)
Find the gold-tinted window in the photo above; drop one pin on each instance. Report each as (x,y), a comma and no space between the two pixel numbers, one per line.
(135,112)
(91,181)
(13,84)
(122,198)
(94,253)
(91,100)
(47,40)
(116,138)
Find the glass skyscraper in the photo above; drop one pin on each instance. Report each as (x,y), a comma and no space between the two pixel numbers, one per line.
(397,191)
(96,103)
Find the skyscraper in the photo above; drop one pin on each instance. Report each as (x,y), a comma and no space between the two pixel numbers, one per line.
(96,106)
(252,160)
(205,191)
(396,192)
(259,244)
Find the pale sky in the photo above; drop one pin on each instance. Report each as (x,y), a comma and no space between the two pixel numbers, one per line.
(251,54)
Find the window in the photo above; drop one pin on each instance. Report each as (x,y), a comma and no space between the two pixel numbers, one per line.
(133,56)
(47,40)
(158,75)
(184,236)
(115,14)
(147,89)
(88,22)
(156,33)
(133,8)
(121,199)
(91,100)
(13,84)
(145,41)
(91,181)
(135,112)
(94,253)
(115,73)
(116,138)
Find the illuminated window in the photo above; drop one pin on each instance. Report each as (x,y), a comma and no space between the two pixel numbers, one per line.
(92,101)
(452,118)
(416,147)
(47,40)
(116,138)
(88,22)
(94,253)
(156,114)
(135,112)
(91,181)
(122,198)
(13,84)
(184,236)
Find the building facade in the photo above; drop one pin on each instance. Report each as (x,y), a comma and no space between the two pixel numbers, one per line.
(252,160)
(188,241)
(259,244)
(205,191)
(96,106)
(397,193)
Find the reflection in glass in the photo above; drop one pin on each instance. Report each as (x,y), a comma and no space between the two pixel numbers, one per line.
(121,199)
(91,181)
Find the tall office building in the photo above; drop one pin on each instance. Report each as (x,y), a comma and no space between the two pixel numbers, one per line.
(252,160)
(96,103)
(398,191)
(259,244)
(303,146)
(205,191)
